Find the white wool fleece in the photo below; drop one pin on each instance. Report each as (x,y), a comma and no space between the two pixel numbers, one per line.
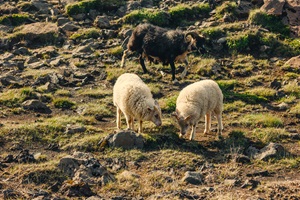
(197,100)
(133,98)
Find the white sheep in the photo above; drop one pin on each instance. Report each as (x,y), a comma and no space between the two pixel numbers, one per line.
(133,97)
(197,100)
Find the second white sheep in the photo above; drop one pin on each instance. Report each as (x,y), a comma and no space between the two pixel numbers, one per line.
(202,98)
(133,98)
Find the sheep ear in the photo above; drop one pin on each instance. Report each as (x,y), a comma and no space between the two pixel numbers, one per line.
(187,118)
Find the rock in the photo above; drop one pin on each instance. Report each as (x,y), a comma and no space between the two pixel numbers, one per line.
(283,106)
(273,7)
(251,151)
(36,105)
(83,167)
(194,178)
(275,84)
(69,26)
(71,129)
(84,49)
(264,173)
(273,150)
(37,34)
(62,20)
(292,9)
(242,159)
(126,140)
(76,189)
(94,198)
(69,164)
(9,159)
(231,182)
(251,184)
(102,22)
(293,64)
(25,157)
(9,80)
(21,51)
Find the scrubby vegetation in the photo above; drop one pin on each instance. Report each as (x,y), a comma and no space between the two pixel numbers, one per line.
(72,74)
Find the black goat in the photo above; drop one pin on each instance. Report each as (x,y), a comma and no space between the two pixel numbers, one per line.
(160,44)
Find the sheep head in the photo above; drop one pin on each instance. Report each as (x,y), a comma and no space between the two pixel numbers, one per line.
(154,114)
(197,41)
(184,122)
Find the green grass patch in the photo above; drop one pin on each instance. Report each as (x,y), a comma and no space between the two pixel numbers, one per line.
(14,97)
(100,5)
(168,104)
(234,106)
(63,103)
(160,18)
(261,120)
(175,16)
(295,109)
(292,88)
(226,8)
(116,51)
(14,19)
(267,135)
(184,12)
(86,34)
(213,33)
(227,85)
(92,109)
(267,93)
(270,22)
(204,66)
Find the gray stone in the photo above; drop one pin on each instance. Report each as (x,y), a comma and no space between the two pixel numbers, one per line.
(71,129)
(194,178)
(283,106)
(102,22)
(36,105)
(273,150)
(69,26)
(273,7)
(126,140)
(62,20)
(84,168)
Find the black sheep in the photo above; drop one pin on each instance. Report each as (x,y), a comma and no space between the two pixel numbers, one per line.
(161,44)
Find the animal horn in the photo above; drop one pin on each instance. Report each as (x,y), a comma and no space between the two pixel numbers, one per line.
(193,34)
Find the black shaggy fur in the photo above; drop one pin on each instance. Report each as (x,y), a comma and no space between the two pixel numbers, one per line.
(160,44)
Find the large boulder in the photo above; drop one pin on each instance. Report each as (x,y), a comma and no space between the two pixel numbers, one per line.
(273,7)
(84,168)
(124,139)
(36,34)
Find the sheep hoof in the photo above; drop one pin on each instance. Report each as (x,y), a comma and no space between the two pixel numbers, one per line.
(220,137)
(162,73)
(175,81)
(183,74)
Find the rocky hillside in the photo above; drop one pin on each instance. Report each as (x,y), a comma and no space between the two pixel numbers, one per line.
(59,60)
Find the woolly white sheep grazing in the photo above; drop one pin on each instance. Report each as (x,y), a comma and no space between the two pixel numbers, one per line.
(133,97)
(197,100)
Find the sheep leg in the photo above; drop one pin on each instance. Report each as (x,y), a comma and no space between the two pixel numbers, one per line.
(207,123)
(192,136)
(119,112)
(128,121)
(123,58)
(140,127)
(173,72)
(220,125)
(132,123)
(185,68)
(142,62)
